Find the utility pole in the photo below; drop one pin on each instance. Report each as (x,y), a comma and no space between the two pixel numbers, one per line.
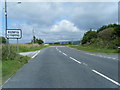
(33,35)
(6,27)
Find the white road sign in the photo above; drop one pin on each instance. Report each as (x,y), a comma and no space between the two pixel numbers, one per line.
(14,34)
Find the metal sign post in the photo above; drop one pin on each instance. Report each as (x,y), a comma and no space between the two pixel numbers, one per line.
(8,45)
(17,46)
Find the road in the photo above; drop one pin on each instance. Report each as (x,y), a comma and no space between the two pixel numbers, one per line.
(63,67)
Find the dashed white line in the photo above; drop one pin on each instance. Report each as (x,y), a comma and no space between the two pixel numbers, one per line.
(56,48)
(113,58)
(109,57)
(75,60)
(36,54)
(65,54)
(85,64)
(106,77)
(113,81)
(60,51)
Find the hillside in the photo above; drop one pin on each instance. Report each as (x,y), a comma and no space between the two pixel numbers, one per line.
(105,37)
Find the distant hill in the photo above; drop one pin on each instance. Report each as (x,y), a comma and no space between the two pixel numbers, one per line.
(70,42)
(66,42)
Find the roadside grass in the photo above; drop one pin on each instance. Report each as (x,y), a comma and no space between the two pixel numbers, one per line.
(94,49)
(13,62)
(28,47)
(10,67)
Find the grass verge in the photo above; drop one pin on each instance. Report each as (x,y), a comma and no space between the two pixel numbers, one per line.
(94,49)
(29,47)
(10,67)
(13,62)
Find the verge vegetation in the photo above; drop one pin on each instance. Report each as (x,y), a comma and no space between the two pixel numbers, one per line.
(28,47)
(105,39)
(12,62)
(93,49)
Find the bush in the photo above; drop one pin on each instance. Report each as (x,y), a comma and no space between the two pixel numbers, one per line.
(5,53)
(2,40)
(88,36)
(12,55)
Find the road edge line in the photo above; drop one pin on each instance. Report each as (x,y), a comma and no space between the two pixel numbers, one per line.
(36,54)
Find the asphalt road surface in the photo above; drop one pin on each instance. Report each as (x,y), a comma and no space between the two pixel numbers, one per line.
(63,67)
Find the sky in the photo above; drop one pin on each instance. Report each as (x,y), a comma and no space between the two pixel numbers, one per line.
(58,21)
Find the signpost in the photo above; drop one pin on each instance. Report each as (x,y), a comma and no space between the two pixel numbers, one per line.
(14,34)
(8,35)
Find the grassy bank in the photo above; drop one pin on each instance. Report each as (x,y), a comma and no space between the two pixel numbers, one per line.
(10,67)
(94,49)
(13,62)
(29,47)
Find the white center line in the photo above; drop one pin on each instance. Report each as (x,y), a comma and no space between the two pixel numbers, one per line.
(106,77)
(65,54)
(60,51)
(75,60)
(57,48)
(85,64)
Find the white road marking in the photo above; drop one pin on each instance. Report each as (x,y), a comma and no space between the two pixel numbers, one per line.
(113,58)
(57,48)
(102,56)
(19,69)
(60,51)
(6,81)
(106,77)
(36,54)
(75,60)
(113,81)
(65,54)
(109,57)
(85,64)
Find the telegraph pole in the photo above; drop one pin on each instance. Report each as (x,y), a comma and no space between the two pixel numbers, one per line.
(6,26)
(33,36)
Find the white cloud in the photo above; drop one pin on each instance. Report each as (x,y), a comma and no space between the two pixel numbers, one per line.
(54,21)
(65,26)
(65,0)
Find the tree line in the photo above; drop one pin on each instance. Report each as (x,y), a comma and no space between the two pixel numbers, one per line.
(34,40)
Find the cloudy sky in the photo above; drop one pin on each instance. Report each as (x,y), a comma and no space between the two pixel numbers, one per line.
(59,21)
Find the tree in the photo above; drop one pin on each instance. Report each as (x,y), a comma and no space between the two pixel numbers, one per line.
(117,30)
(107,26)
(39,41)
(88,36)
(35,40)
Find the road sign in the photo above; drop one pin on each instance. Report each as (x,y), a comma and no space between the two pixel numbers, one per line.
(14,33)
